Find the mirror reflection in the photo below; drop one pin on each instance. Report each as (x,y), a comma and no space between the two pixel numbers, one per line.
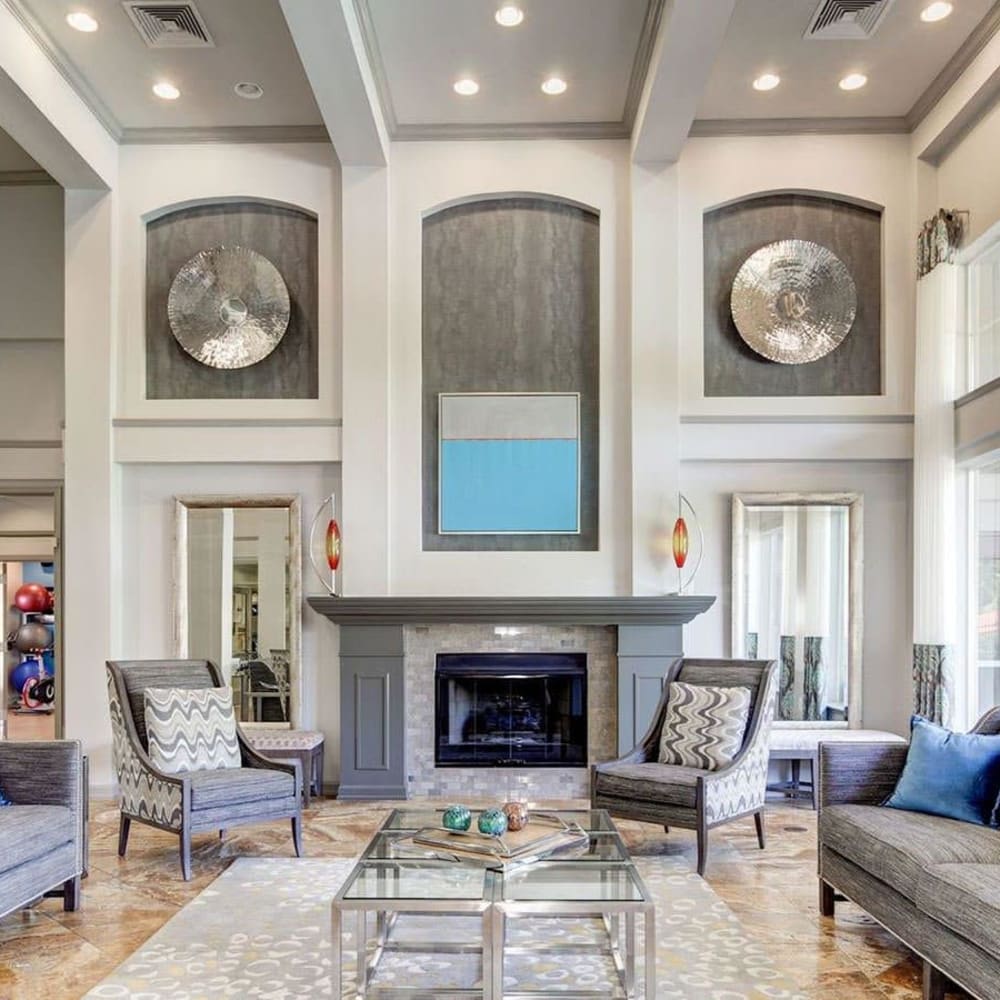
(240,601)
(792,569)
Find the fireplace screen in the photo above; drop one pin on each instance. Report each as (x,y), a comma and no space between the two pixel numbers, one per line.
(511,710)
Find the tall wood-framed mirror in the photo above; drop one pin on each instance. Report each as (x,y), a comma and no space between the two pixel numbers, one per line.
(798,568)
(238,598)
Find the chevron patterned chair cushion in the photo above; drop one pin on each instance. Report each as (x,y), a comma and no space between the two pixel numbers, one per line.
(703,726)
(191,729)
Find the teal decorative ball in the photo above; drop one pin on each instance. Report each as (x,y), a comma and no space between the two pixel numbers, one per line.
(492,822)
(457,818)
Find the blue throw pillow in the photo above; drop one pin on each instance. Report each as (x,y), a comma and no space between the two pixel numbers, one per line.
(4,801)
(949,774)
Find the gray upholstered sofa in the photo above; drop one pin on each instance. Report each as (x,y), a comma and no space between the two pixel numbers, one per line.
(41,834)
(933,882)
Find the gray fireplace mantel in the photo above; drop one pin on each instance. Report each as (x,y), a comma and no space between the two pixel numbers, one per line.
(666,609)
(373,667)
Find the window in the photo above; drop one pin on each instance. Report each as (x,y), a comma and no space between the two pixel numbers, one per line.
(985,624)
(984,318)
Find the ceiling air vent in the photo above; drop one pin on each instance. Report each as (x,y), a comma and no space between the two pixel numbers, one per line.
(169,25)
(847,19)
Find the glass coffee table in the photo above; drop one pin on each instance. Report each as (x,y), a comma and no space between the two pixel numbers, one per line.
(596,881)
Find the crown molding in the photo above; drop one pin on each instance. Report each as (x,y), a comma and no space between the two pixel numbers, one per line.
(713,127)
(377,65)
(63,65)
(511,130)
(643,57)
(25,178)
(955,67)
(224,133)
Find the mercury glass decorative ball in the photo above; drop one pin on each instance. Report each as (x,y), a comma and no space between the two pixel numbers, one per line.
(517,815)
(457,817)
(492,822)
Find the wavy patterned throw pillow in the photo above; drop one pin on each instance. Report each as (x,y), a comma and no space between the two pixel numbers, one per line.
(703,726)
(191,729)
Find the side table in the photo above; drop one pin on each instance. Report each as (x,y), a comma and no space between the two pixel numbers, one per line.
(305,745)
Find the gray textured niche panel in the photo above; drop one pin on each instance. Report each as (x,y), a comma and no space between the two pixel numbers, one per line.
(288,238)
(511,304)
(733,232)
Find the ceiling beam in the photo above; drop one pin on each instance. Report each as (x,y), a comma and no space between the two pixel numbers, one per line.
(689,38)
(329,42)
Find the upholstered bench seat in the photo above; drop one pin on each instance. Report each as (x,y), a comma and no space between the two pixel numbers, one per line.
(28,832)
(800,742)
(305,745)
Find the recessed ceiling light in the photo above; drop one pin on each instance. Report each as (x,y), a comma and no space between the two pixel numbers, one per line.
(554,86)
(766,81)
(936,11)
(81,21)
(166,90)
(509,15)
(466,86)
(853,81)
(251,91)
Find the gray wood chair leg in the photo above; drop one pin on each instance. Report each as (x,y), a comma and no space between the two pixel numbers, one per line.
(702,848)
(758,819)
(222,834)
(185,847)
(935,982)
(827,899)
(666,829)
(124,826)
(297,835)
(71,894)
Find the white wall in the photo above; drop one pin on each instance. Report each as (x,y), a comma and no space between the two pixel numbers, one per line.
(153,178)
(872,168)
(887,694)
(147,493)
(424,176)
(31,318)
(967,179)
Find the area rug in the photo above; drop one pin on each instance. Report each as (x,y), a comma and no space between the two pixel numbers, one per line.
(262,929)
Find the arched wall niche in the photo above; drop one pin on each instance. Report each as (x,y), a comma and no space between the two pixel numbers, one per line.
(732,231)
(511,309)
(284,233)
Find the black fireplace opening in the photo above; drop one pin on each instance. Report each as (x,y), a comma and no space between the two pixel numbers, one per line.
(511,710)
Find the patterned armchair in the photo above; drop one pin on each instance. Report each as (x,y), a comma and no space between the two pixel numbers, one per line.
(256,792)
(638,787)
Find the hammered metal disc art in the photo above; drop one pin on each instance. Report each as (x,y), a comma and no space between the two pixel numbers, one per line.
(793,301)
(228,307)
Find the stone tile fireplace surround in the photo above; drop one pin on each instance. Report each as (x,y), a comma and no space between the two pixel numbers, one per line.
(422,643)
(388,651)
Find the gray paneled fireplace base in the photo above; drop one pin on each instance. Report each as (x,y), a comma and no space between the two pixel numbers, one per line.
(387,671)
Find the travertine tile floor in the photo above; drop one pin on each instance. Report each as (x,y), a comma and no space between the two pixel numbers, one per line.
(46,954)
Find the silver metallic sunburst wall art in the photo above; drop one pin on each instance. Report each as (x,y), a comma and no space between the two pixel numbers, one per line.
(793,301)
(228,307)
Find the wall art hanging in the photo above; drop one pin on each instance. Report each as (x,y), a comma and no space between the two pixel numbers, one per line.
(939,238)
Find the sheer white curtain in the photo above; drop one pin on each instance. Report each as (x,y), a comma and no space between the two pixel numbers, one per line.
(934,529)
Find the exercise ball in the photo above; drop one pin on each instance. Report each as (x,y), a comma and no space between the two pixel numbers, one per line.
(32,637)
(25,671)
(32,598)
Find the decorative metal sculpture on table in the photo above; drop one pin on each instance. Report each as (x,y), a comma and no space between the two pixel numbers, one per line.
(939,238)
(793,301)
(228,307)
(324,550)
(681,544)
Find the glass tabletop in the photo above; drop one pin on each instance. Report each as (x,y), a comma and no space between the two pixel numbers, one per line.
(591,820)
(416,880)
(561,881)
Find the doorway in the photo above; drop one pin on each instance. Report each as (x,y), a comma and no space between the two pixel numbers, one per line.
(30,597)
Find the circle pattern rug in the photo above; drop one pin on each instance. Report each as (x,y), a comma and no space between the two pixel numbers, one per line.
(262,930)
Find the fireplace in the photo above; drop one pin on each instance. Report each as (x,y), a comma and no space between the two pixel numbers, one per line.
(511,710)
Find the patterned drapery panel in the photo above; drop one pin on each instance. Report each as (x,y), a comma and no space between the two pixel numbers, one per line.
(812,677)
(931,681)
(786,696)
(143,794)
